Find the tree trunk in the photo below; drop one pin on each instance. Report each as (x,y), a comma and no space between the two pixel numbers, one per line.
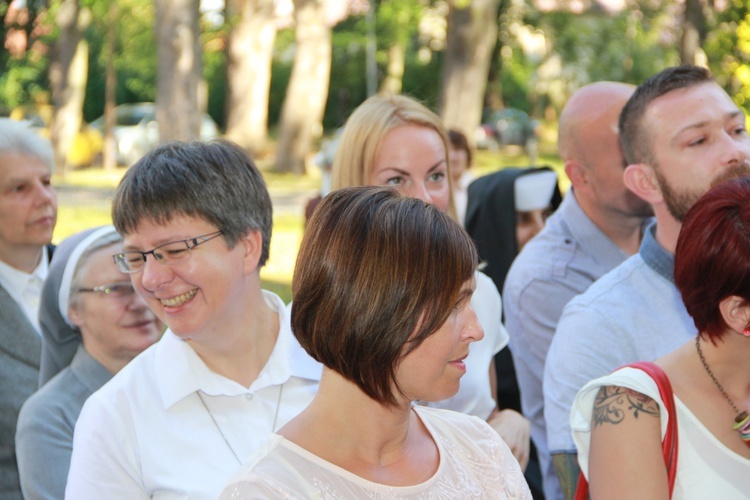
(179,73)
(68,74)
(693,31)
(304,105)
(249,55)
(109,153)
(470,39)
(395,72)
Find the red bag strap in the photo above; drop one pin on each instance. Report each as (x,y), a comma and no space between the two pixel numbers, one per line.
(670,442)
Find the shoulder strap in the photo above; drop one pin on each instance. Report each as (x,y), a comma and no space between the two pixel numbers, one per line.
(669,445)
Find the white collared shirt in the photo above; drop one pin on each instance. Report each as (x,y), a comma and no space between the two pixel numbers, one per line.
(147,434)
(26,289)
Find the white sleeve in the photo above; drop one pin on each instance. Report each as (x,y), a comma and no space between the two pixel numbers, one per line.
(583,407)
(105,459)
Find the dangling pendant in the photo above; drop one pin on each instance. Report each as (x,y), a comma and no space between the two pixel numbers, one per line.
(742,425)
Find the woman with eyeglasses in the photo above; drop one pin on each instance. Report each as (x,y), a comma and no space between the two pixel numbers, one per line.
(93,324)
(180,419)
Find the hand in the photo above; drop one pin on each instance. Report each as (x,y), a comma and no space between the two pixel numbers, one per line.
(515,429)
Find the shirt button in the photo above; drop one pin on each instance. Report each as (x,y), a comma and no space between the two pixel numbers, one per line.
(249,397)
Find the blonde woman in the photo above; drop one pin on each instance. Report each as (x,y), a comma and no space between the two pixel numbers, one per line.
(397,141)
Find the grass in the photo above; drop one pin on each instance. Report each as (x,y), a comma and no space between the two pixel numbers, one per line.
(82,212)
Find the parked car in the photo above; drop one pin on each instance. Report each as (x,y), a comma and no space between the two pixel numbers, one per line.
(136,131)
(505,127)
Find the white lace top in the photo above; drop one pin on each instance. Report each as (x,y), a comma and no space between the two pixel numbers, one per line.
(474,463)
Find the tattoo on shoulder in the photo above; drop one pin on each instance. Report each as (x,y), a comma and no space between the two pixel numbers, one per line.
(613,404)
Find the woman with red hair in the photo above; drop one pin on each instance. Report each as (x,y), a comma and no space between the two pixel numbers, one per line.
(619,421)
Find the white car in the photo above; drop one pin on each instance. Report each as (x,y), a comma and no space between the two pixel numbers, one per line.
(137,132)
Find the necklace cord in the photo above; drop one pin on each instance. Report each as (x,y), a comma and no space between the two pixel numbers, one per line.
(713,377)
(223,436)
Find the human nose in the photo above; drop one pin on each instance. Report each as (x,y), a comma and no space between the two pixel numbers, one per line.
(419,190)
(45,193)
(736,150)
(153,273)
(472,330)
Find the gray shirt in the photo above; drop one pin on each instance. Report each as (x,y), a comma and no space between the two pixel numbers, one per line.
(44,438)
(562,261)
(634,313)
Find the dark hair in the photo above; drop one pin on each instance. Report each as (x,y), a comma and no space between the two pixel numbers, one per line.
(458,140)
(711,259)
(634,137)
(377,273)
(216,181)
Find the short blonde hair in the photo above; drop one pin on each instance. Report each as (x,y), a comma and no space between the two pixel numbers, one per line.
(364,132)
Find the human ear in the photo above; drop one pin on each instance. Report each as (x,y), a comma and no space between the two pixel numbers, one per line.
(736,312)
(576,173)
(252,244)
(640,178)
(74,315)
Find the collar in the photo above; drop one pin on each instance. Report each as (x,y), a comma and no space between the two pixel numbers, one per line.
(656,256)
(89,371)
(583,229)
(180,372)
(15,281)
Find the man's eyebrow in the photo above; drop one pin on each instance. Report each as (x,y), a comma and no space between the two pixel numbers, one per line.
(728,116)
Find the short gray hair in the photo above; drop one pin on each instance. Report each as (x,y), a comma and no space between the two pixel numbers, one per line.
(17,137)
(216,181)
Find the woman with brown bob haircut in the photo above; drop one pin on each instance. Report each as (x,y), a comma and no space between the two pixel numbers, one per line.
(619,421)
(382,291)
(397,141)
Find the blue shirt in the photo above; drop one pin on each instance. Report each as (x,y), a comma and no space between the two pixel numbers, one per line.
(562,261)
(634,313)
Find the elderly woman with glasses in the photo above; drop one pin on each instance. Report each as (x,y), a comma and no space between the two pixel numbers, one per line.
(177,422)
(93,324)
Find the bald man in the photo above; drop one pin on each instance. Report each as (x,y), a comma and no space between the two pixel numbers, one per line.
(598,225)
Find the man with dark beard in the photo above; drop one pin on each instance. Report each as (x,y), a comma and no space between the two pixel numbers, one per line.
(681,133)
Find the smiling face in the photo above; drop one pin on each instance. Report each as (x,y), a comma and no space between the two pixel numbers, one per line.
(695,145)
(412,158)
(115,327)
(433,370)
(199,296)
(28,204)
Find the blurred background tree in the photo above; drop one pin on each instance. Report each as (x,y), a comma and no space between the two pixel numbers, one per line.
(252,59)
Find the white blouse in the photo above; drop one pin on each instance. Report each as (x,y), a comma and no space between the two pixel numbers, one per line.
(706,468)
(474,463)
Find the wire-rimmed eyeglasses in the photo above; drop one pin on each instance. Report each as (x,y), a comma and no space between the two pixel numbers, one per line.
(119,291)
(132,261)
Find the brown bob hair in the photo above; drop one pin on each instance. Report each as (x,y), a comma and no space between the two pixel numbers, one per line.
(377,273)
(712,259)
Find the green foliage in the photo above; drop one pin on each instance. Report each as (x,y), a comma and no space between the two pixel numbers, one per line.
(629,46)
(24,76)
(281,71)
(213,41)
(348,85)
(728,51)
